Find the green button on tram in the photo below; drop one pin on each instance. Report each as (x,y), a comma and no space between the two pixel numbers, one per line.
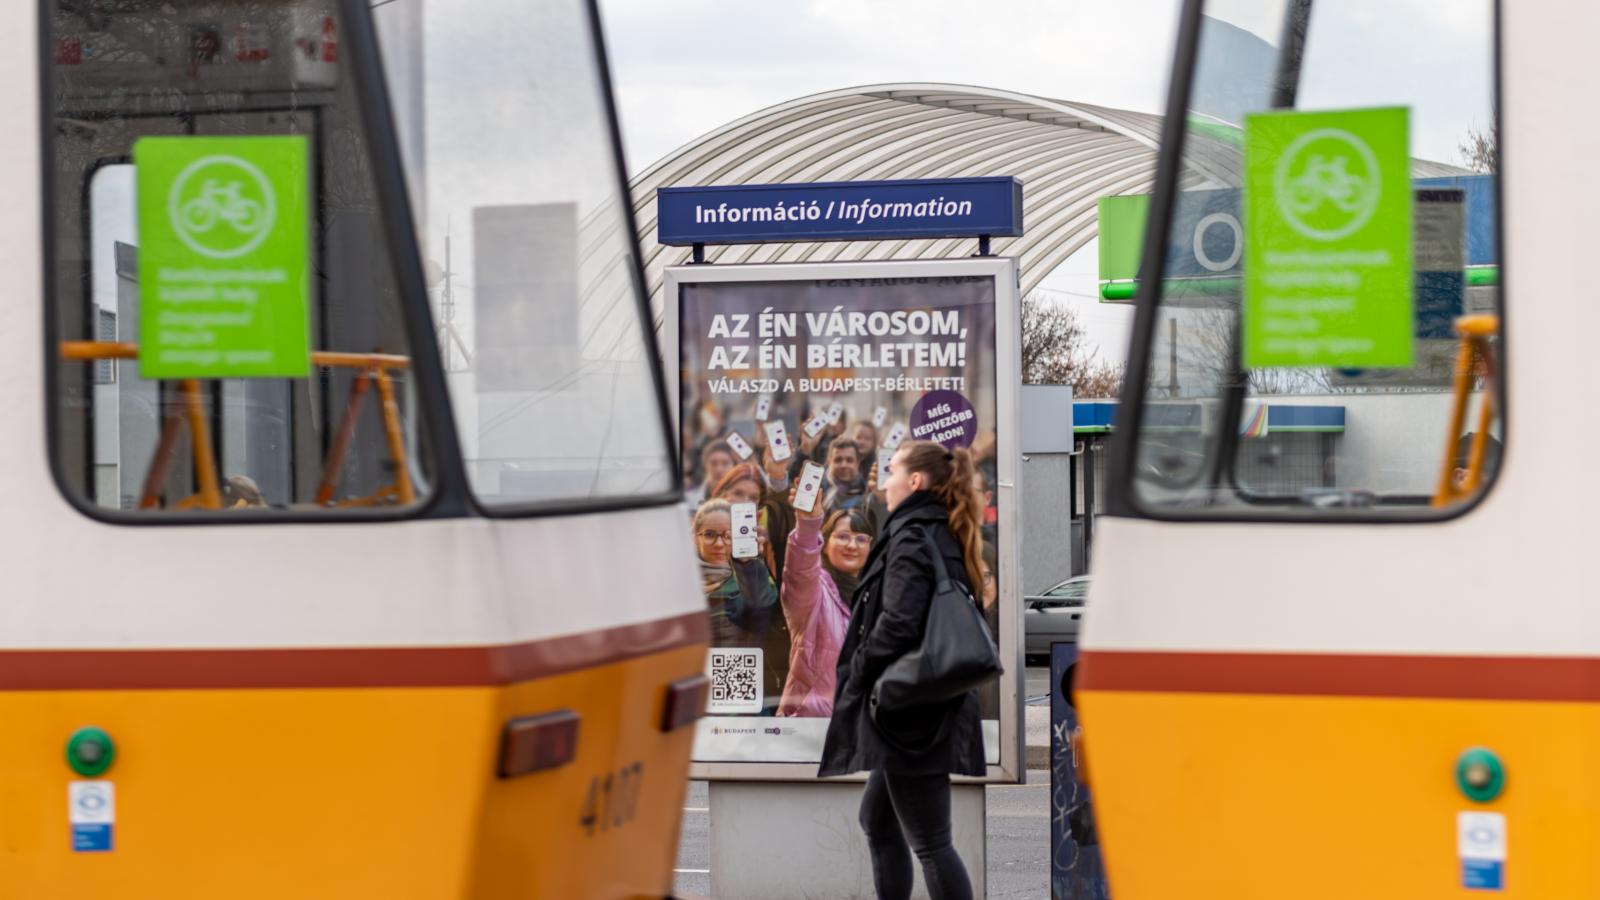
(1480,774)
(90,751)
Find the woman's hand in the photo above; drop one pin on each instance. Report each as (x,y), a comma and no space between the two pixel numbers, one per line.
(808,443)
(777,472)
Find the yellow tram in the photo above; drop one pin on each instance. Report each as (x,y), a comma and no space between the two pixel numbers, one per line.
(343,555)
(1355,655)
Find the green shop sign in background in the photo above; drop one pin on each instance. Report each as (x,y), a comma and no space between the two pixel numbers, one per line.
(1328,240)
(1121,230)
(223,275)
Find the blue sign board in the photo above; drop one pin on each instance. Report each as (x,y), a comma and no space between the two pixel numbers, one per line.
(1482,213)
(1207,237)
(1483,874)
(95,838)
(839,211)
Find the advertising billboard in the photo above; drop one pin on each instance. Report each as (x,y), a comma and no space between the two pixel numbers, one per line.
(796,385)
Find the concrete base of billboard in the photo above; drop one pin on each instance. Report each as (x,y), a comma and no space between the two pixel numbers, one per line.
(776,841)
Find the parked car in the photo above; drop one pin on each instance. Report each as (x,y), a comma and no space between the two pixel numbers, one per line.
(1053,615)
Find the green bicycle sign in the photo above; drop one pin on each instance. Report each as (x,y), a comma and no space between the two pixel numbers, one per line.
(224,277)
(1328,242)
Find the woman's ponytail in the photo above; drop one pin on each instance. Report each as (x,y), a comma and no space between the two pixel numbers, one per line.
(951,479)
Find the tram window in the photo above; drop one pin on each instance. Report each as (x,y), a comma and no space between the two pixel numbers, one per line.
(227,324)
(511,163)
(1324,339)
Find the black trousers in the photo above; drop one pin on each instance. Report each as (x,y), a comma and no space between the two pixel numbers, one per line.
(896,808)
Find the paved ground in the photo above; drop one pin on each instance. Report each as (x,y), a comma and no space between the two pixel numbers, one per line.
(1036,682)
(1018,822)
(1019,841)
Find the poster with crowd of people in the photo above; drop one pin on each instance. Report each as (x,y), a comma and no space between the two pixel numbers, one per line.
(793,396)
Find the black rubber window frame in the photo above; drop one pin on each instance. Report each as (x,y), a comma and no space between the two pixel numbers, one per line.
(1122,497)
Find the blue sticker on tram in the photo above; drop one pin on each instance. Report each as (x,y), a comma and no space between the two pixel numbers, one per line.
(1483,874)
(91,838)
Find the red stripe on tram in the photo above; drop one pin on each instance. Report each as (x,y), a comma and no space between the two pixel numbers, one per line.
(343,667)
(1553,678)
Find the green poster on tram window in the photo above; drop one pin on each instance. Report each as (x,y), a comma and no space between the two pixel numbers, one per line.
(223,271)
(1328,243)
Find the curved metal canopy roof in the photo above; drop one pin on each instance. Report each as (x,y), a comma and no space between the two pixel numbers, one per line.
(1067,154)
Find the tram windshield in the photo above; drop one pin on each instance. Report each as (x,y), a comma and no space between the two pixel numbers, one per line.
(516,183)
(228,332)
(1323,333)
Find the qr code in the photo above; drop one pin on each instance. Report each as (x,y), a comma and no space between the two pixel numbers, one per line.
(735,680)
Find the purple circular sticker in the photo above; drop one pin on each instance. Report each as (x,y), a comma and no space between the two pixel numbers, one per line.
(945,417)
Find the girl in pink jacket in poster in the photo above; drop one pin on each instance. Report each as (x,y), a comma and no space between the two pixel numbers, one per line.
(819,577)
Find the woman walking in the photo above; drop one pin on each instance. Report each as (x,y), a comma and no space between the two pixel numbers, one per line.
(913,752)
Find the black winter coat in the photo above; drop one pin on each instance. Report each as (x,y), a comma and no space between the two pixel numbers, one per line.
(889,614)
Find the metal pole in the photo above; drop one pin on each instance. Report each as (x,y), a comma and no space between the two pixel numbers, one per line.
(1172,357)
(1092,448)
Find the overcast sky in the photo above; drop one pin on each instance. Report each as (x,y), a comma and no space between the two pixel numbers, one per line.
(682,69)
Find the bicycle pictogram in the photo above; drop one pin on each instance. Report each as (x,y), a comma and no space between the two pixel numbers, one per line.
(1327,183)
(221,206)
(222,203)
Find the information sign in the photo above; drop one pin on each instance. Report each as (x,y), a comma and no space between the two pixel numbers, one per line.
(839,211)
(1328,249)
(223,274)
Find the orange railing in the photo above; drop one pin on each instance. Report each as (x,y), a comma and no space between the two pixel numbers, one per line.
(1476,331)
(372,369)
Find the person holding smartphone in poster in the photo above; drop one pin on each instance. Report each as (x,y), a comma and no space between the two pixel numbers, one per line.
(740,593)
(744,485)
(820,573)
(912,752)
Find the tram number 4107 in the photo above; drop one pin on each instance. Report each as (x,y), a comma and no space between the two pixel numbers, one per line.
(613,799)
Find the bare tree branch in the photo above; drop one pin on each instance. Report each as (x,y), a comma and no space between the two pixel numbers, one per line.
(1055,350)
(1481,149)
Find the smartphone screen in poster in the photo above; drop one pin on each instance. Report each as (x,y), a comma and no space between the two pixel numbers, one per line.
(830,376)
(745,545)
(778,441)
(805,495)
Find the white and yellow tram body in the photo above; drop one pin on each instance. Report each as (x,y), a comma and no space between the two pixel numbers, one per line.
(1276,697)
(481,692)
